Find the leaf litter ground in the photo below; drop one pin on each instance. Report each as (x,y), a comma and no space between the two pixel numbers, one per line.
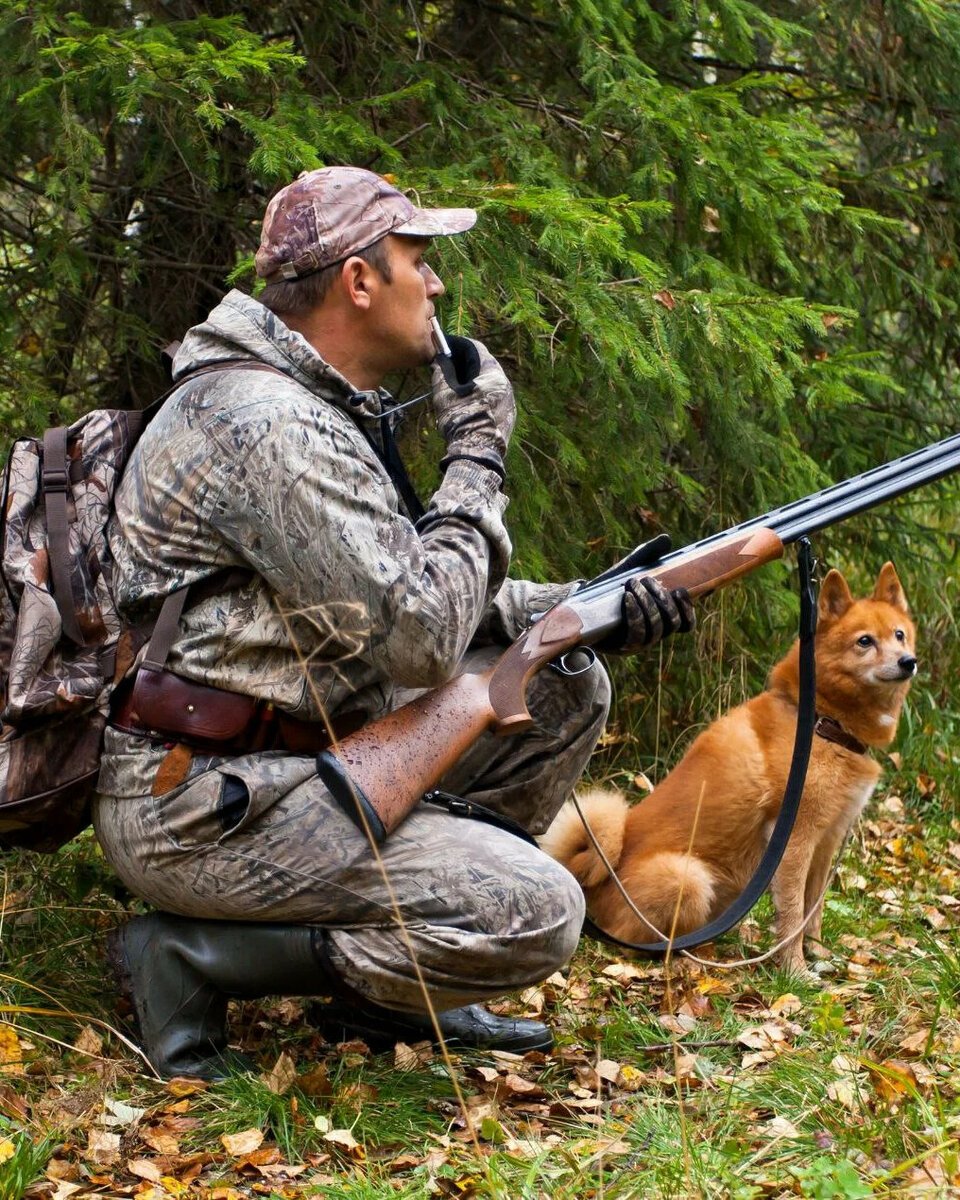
(676,1080)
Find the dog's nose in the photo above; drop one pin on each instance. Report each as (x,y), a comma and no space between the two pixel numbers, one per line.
(907,664)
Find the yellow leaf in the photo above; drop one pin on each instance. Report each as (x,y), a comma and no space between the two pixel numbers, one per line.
(7,1150)
(11,1053)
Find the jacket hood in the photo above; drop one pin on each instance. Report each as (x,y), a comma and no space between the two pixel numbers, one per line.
(240,328)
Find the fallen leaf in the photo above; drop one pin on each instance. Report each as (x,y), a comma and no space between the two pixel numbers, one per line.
(892,1080)
(11,1053)
(409,1058)
(915,1043)
(343,1138)
(622,971)
(666,299)
(118,1113)
(680,1024)
(89,1041)
(843,1092)
(238,1144)
(143,1168)
(281,1075)
(710,219)
(786,1005)
(7,1150)
(779,1127)
(516,1085)
(102,1148)
(185,1085)
(762,1037)
(316,1082)
(160,1139)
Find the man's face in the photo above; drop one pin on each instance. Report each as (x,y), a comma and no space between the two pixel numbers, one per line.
(403,307)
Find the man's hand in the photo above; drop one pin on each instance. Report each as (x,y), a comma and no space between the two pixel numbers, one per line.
(477,426)
(650,613)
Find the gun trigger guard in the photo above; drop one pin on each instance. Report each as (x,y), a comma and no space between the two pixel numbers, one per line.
(562,667)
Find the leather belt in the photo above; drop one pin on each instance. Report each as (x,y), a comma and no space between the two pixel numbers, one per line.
(166,707)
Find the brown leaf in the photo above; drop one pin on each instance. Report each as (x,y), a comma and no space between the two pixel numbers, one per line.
(281,1075)
(892,1079)
(915,1043)
(516,1085)
(103,1148)
(89,1041)
(316,1082)
(409,1058)
(666,299)
(238,1144)
(12,1104)
(143,1168)
(163,1143)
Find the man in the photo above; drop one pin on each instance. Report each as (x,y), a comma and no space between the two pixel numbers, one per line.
(322,598)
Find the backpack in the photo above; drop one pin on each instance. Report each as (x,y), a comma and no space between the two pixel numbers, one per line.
(62,642)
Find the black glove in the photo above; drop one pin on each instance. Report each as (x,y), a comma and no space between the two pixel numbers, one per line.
(464,361)
(650,613)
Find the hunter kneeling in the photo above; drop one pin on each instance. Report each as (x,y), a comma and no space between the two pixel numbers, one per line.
(311,594)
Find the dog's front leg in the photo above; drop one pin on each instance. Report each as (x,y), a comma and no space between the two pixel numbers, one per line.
(815,893)
(788,890)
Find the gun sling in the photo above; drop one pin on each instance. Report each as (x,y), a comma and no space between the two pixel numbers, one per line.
(793,792)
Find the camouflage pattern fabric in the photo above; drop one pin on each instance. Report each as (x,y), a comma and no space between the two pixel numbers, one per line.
(324,216)
(56,679)
(348,606)
(259,838)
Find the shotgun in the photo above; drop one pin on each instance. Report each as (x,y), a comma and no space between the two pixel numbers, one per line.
(379,773)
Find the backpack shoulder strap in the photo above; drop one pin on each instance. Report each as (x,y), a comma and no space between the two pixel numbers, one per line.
(54,484)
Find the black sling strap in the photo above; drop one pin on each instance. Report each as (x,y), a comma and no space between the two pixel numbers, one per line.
(766,868)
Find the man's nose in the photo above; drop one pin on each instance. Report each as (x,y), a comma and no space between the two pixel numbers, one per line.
(433,281)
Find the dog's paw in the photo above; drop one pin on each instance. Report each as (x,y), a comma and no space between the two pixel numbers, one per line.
(816,949)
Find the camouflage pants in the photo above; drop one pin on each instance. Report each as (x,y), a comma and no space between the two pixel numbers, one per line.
(479,911)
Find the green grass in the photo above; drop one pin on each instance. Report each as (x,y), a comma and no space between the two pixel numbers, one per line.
(861,1096)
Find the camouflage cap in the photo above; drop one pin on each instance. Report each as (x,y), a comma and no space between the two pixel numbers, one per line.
(325,216)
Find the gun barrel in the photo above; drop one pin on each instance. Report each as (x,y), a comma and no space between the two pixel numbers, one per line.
(828,506)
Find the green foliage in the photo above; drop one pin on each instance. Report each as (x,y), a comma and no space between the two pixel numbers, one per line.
(718,243)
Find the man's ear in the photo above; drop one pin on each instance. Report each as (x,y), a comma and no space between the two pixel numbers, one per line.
(890,589)
(356,277)
(835,597)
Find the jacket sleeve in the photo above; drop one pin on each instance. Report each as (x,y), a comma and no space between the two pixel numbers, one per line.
(308,505)
(514,606)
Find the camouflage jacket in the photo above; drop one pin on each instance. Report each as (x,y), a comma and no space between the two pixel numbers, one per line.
(346,597)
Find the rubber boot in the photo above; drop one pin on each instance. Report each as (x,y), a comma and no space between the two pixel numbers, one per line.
(177,975)
(472,1027)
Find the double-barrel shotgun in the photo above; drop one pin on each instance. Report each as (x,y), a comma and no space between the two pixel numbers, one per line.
(383,770)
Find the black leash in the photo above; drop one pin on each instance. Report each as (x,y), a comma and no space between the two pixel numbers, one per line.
(766,868)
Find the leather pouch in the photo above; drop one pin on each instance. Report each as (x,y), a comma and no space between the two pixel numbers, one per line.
(165,704)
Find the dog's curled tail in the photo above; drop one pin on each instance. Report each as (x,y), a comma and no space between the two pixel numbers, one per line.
(568,842)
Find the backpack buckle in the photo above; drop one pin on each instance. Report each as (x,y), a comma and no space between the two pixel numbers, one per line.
(54,479)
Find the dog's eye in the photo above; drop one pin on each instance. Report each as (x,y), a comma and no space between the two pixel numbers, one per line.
(900,636)
(865,640)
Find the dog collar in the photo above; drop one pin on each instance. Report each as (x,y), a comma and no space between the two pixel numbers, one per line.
(832,731)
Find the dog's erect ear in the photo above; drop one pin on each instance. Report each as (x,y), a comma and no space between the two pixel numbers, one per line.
(889,588)
(835,597)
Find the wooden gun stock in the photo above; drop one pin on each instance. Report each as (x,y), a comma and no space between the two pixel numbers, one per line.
(380,772)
